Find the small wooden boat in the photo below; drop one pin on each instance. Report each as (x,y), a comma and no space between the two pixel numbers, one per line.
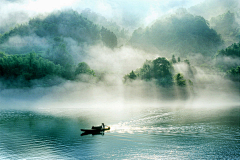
(96,129)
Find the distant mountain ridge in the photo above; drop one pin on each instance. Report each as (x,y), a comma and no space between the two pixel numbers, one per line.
(182,32)
(66,24)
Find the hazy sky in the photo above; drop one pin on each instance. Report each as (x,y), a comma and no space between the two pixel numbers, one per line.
(102,6)
(130,14)
(124,12)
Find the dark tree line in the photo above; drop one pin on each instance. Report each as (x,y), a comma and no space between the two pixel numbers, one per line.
(228,58)
(229,61)
(32,66)
(232,51)
(29,66)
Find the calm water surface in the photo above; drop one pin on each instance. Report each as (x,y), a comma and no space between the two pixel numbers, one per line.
(147,133)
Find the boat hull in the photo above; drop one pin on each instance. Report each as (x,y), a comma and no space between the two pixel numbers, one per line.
(96,130)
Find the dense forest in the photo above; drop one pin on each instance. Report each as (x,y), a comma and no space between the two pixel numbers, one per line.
(42,47)
(32,66)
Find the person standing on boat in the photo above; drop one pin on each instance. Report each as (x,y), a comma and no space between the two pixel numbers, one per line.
(103,126)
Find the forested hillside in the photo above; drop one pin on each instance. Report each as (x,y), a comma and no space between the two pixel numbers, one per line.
(227,26)
(64,24)
(181,32)
(42,47)
(121,33)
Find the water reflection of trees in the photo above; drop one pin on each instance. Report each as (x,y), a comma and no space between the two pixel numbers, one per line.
(25,130)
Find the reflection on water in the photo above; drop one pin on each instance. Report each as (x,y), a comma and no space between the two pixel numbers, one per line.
(87,133)
(151,133)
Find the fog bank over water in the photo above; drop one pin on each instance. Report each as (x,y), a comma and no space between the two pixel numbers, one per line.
(72,98)
(110,95)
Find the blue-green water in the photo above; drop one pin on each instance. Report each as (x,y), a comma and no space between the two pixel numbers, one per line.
(148,133)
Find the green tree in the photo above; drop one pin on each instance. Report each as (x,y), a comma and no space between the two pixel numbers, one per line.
(234,74)
(83,68)
(173,59)
(179,60)
(132,75)
(162,67)
(146,72)
(179,79)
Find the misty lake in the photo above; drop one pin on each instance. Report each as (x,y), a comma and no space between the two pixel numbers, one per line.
(143,133)
(164,75)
